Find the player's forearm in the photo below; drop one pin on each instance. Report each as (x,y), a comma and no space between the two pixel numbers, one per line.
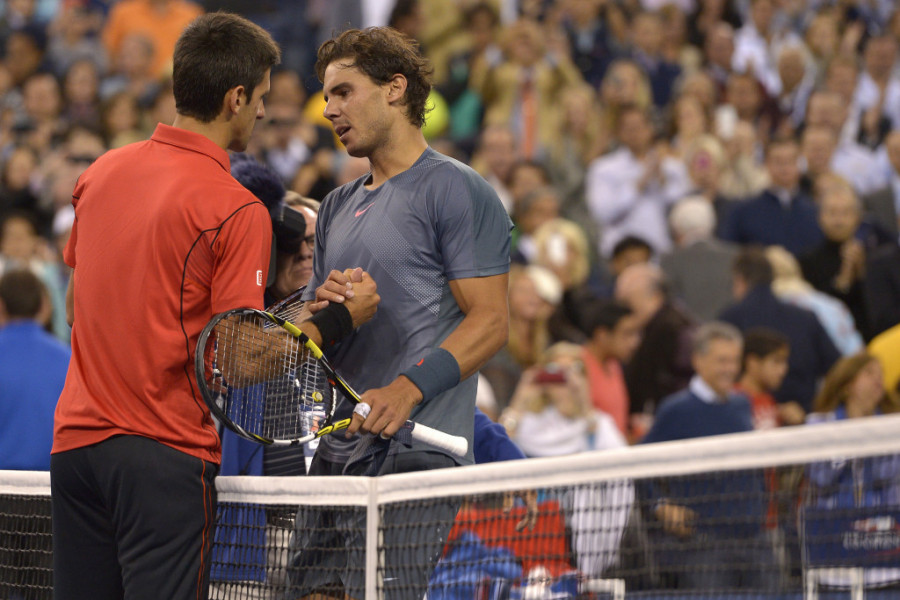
(480,335)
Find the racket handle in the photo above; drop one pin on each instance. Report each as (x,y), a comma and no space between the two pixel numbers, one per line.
(454,444)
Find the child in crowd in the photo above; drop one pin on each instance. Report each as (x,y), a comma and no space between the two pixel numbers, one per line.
(764,364)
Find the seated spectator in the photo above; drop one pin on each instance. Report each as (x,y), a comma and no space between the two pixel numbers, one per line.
(629,190)
(790,286)
(551,414)
(853,389)
(695,540)
(494,158)
(763,367)
(812,352)
(22,247)
(32,373)
(562,247)
(534,293)
(532,210)
(162,22)
(699,267)
(630,250)
(613,338)
(886,348)
(781,215)
(661,365)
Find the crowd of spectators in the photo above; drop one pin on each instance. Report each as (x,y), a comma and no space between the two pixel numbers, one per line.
(645,150)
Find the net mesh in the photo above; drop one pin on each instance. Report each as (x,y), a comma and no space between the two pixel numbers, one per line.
(796,513)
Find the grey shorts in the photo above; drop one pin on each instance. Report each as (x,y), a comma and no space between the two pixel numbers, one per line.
(328,546)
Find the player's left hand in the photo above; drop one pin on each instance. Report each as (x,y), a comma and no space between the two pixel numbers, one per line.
(390,408)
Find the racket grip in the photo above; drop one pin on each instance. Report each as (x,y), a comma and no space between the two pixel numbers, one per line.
(454,444)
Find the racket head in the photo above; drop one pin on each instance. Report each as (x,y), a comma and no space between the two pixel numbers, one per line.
(290,307)
(259,379)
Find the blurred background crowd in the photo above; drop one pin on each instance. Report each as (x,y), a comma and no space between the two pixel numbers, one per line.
(667,163)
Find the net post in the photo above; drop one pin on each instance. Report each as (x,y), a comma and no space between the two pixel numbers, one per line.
(373,527)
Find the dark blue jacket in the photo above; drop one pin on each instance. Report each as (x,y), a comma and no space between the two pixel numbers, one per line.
(763,220)
(812,351)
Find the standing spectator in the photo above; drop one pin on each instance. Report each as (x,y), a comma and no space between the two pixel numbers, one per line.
(790,286)
(523,91)
(481,22)
(718,54)
(781,214)
(699,268)
(591,42)
(696,541)
(613,337)
(797,78)
(812,352)
(883,205)
(32,373)
(161,21)
(763,367)
(661,365)
(838,265)
(629,190)
(878,91)
(647,40)
(758,43)
(882,288)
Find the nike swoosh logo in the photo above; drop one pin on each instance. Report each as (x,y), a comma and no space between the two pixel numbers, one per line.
(361,211)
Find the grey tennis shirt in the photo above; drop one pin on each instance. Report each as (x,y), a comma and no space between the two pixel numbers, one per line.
(435,222)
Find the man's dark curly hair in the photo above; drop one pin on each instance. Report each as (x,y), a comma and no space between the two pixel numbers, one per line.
(381,53)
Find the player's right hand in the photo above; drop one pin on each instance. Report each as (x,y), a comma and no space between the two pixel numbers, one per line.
(354,288)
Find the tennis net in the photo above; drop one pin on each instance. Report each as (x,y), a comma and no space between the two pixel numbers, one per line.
(809,512)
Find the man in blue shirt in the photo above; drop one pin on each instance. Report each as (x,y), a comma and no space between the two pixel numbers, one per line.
(33,366)
(708,528)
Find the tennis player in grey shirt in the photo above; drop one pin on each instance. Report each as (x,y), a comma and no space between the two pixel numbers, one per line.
(435,238)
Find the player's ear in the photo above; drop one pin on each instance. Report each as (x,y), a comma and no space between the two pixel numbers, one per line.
(396,87)
(234,99)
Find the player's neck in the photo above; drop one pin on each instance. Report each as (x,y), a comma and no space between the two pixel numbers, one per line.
(397,155)
(218,133)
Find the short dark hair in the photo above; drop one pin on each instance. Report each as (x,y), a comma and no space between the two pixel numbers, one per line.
(218,52)
(22,293)
(602,314)
(752,265)
(381,53)
(763,341)
(631,242)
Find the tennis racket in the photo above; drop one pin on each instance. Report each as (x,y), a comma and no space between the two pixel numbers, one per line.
(268,382)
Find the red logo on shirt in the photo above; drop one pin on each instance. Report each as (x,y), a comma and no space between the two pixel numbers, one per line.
(361,211)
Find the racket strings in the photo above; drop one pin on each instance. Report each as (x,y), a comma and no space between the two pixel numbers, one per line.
(268,383)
